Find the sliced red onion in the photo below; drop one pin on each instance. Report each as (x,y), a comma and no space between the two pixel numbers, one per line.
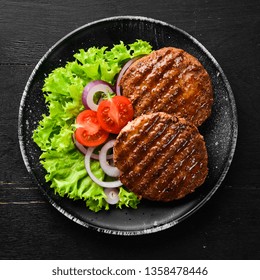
(112,195)
(107,168)
(91,89)
(121,73)
(103,184)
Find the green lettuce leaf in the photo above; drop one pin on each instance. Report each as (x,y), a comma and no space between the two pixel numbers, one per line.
(128,199)
(62,89)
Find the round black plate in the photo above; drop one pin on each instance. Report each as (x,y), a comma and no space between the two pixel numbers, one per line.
(219,131)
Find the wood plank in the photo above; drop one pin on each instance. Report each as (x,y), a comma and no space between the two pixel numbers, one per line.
(20,193)
(218,232)
(53,20)
(11,88)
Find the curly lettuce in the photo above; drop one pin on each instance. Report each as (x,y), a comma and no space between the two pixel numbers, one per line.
(62,90)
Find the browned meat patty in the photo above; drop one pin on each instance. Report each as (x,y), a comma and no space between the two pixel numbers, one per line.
(161,157)
(169,80)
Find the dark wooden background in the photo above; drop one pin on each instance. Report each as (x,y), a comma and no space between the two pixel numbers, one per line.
(227,227)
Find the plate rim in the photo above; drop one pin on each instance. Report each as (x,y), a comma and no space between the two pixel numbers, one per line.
(151,229)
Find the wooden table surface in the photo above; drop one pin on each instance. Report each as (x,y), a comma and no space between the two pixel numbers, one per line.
(226,227)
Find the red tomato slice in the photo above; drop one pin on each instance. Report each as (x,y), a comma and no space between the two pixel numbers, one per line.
(114,113)
(89,132)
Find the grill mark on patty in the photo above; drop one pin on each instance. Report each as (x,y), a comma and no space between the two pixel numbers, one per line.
(156,90)
(185,107)
(144,145)
(150,159)
(199,112)
(187,184)
(156,165)
(167,87)
(162,165)
(168,166)
(196,113)
(188,106)
(160,67)
(155,61)
(163,94)
(142,85)
(137,154)
(172,181)
(133,150)
(151,90)
(167,182)
(159,83)
(139,70)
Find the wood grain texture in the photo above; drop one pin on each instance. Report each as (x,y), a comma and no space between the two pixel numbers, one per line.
(227,227)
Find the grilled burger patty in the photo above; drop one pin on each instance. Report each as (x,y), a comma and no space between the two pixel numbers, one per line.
(161,157)
(169,80)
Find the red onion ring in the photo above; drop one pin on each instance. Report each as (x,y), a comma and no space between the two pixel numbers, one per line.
(122,72)
(114,184)
(90,90)
(107,168)
(112,195)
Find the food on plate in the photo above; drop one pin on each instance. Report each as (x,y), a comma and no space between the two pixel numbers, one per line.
(122,125)
(161,157)
(114,113)
(93,127)
(68,91)
(169,80)
(89,132)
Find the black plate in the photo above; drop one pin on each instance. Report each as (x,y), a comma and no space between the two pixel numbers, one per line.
(220,130)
